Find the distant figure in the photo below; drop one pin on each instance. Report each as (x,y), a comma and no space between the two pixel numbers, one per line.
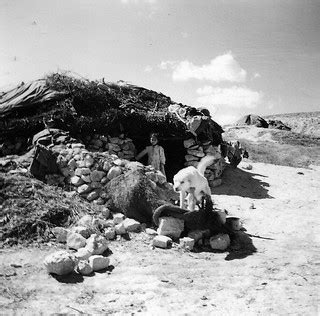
(156,157)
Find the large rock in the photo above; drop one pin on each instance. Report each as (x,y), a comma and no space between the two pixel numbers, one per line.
(60,263)
(220,242)
(131,193)
(60,233)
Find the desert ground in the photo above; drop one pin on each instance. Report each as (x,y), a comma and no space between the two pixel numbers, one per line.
(276,273)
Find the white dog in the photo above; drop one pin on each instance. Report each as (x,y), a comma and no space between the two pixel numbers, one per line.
(192,180)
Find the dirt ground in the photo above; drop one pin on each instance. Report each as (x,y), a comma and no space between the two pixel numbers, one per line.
(278,205)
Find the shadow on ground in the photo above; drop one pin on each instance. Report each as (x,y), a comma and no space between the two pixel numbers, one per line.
(238,182)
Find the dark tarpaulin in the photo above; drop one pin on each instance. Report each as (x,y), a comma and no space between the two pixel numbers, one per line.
(26,95)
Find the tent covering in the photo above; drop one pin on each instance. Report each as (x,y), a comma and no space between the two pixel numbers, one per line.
(27,95)
(252,119)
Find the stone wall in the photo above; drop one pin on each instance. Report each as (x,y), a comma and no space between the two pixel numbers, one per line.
(196,150)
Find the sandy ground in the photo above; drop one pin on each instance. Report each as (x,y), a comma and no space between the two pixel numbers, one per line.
(280,205)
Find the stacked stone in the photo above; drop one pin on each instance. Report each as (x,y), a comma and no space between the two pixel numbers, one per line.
(13,147)
(121,146)
(88,172)
(196,151)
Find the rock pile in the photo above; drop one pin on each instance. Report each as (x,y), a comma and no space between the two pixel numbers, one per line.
(196,151)
(87,243)
(121,146)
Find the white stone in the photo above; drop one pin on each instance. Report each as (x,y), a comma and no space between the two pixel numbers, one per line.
(189,142)
(97,244)
(118,218)
(106,166)
(92,195)
(187,243)
(98,262)
(60,233)
(97,175)
(84,231)
(86,178)
(85,220)
(161,177)
(75,240)
(88,161)
(162,241)
(220,242)
(76,181)
(83,253)
(77,145)
(84,188)
(131,225)
(81,164)
(120,229)
(171,227)
(114,172)
(84,268)
(109,233)
(60,263)
(151,231)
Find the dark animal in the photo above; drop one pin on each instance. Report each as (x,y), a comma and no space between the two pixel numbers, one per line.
(202,219)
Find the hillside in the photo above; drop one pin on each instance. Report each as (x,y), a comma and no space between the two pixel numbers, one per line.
(307,123)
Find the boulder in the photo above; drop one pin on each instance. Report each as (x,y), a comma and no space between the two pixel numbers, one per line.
(132,194)
(98,262)
(118,218)
(120,229)
(60,263)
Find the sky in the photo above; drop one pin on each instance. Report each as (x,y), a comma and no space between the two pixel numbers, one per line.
(234,57)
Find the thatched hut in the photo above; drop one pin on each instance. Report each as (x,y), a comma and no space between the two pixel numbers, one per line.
(85,108)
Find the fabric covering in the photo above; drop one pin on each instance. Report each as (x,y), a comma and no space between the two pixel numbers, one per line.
(252,119)
(27,95)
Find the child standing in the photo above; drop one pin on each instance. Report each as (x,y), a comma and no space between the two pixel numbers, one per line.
(156,157)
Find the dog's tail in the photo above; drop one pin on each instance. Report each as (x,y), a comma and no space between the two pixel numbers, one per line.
(168,210)
(205,162)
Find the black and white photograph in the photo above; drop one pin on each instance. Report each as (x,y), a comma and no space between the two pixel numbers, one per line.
(160,157)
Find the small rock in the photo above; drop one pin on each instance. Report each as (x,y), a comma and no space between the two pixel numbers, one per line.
(109,233)
(118,218)
(171,227)
(83,253)
(84,268)
(60,233)
(162,242)
(93,195)
(60,263)
(75,240)
(83,231)
(131,225)
(96,175)
(120,229)
(114,172)
(98,262)
(85,220)
(151,231)
(187,243)
(220,242)
(97,244)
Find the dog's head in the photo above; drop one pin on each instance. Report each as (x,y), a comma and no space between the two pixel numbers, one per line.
(182,180)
